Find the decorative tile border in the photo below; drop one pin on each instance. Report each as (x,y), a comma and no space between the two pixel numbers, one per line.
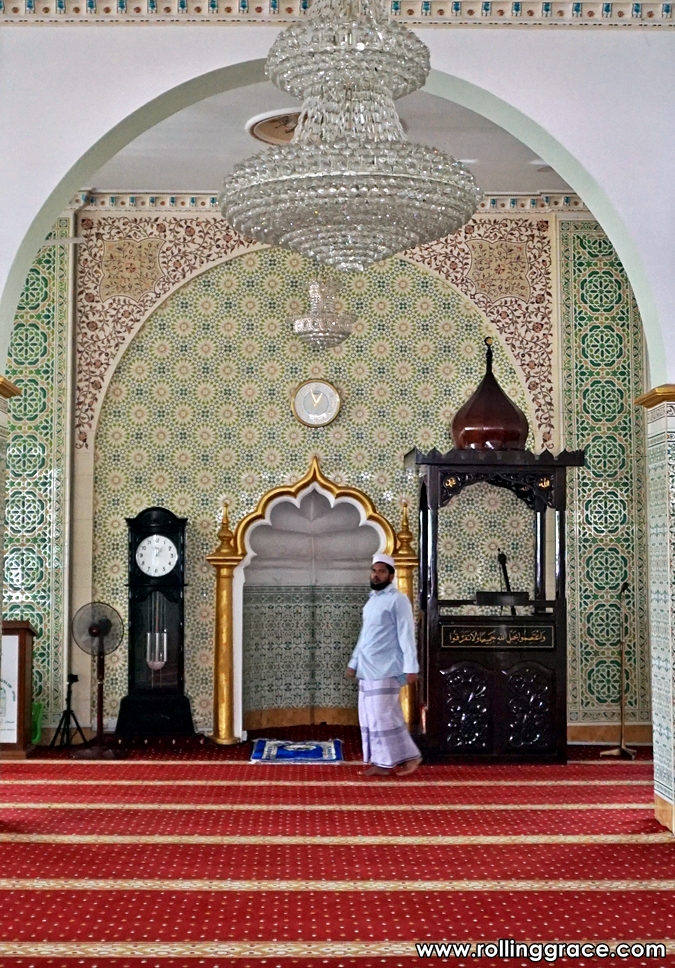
(208,201)
(420,13)
(661,492)
(35,572)
(603,366)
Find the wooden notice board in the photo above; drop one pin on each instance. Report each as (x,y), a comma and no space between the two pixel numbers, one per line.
(16,690)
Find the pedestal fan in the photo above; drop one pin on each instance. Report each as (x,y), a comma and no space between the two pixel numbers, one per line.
(98,630)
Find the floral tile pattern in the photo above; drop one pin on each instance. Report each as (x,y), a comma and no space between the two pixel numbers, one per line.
(504,266)
(472,529)
(603,365)
(34,569)
(297,642)
(514,253)
(162,252)
(199,410)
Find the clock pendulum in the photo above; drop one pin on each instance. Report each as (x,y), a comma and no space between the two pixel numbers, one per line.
(156,704)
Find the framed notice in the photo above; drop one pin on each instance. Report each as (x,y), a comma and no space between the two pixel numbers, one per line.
(9,689)
(16,689)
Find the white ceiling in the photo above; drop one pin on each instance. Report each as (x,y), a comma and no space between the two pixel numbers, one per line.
(192,150)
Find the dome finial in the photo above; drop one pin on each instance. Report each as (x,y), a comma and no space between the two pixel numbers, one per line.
(489,420)
(488,355)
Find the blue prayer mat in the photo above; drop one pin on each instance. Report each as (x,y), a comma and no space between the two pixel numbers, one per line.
(287,751)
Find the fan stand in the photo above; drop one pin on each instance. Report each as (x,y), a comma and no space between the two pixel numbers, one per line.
(98,751)
(622,751)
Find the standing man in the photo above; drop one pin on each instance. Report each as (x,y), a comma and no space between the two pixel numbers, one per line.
(384,659)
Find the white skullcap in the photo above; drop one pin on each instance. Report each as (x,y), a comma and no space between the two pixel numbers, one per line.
(385,559)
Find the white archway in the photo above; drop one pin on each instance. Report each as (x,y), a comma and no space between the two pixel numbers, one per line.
(542,86)
(288,557)
(233,554)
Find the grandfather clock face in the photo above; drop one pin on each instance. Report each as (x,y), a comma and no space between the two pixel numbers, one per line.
(156,555)
(156,601)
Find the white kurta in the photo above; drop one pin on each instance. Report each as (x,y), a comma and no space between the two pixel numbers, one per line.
(384,653)
(386,645)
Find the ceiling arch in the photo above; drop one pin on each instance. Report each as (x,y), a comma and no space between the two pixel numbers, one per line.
(440,83)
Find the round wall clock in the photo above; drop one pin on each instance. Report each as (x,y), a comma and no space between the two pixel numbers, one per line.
(156,555)
(316,403)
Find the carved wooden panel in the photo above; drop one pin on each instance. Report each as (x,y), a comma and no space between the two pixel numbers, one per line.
(467,707)
(530,706)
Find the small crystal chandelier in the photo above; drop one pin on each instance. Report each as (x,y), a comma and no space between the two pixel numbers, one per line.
(325,326)
(349,190)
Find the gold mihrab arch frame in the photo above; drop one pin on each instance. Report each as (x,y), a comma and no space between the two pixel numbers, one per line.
(232,550)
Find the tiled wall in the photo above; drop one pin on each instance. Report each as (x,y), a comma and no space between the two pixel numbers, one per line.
(603,373)
(198,409)
(297,642)
(35,571)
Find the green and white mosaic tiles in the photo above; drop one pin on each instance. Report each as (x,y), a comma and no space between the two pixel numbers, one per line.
(199,409)
(472,529)
(603,373)
(297,642)
(34,568)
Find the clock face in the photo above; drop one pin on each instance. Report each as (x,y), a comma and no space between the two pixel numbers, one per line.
(156,555)
(316,403)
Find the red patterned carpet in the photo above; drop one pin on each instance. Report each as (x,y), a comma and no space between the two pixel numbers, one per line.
(164,860)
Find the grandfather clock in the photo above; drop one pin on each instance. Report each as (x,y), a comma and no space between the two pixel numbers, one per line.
(156,704)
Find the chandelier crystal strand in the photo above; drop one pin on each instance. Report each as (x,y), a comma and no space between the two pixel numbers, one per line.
(349,190)
(325,326)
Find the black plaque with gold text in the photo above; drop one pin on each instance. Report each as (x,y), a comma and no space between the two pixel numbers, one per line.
(511,635)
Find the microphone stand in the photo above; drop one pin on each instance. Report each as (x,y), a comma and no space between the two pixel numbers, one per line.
(622,751)
(501,558)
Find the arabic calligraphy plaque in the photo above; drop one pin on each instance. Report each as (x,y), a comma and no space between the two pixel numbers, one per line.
(508,635)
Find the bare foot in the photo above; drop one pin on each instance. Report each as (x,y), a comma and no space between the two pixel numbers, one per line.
(405,769)
(376,771)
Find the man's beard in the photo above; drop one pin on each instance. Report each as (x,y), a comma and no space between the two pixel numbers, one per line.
(377,586)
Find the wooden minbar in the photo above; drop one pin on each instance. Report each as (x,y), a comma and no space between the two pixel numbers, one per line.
(16,695)
(494,684)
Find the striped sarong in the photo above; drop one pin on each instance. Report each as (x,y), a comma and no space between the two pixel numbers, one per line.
(384,734)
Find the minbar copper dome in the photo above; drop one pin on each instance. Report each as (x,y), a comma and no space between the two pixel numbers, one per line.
(489,420)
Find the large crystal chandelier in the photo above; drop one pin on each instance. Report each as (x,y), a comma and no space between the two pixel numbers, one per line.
(325,326)
(349,189)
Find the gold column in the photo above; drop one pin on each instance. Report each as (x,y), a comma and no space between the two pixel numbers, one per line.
(406,563)
(224,559)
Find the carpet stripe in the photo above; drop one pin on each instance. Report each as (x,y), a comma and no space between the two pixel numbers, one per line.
(449,840)
(334,823)
(240,949)
(211,885)
(318,783)
(186,761)
(322,807)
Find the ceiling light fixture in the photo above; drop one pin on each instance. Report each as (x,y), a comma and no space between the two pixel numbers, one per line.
(325,326)
(349,190)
